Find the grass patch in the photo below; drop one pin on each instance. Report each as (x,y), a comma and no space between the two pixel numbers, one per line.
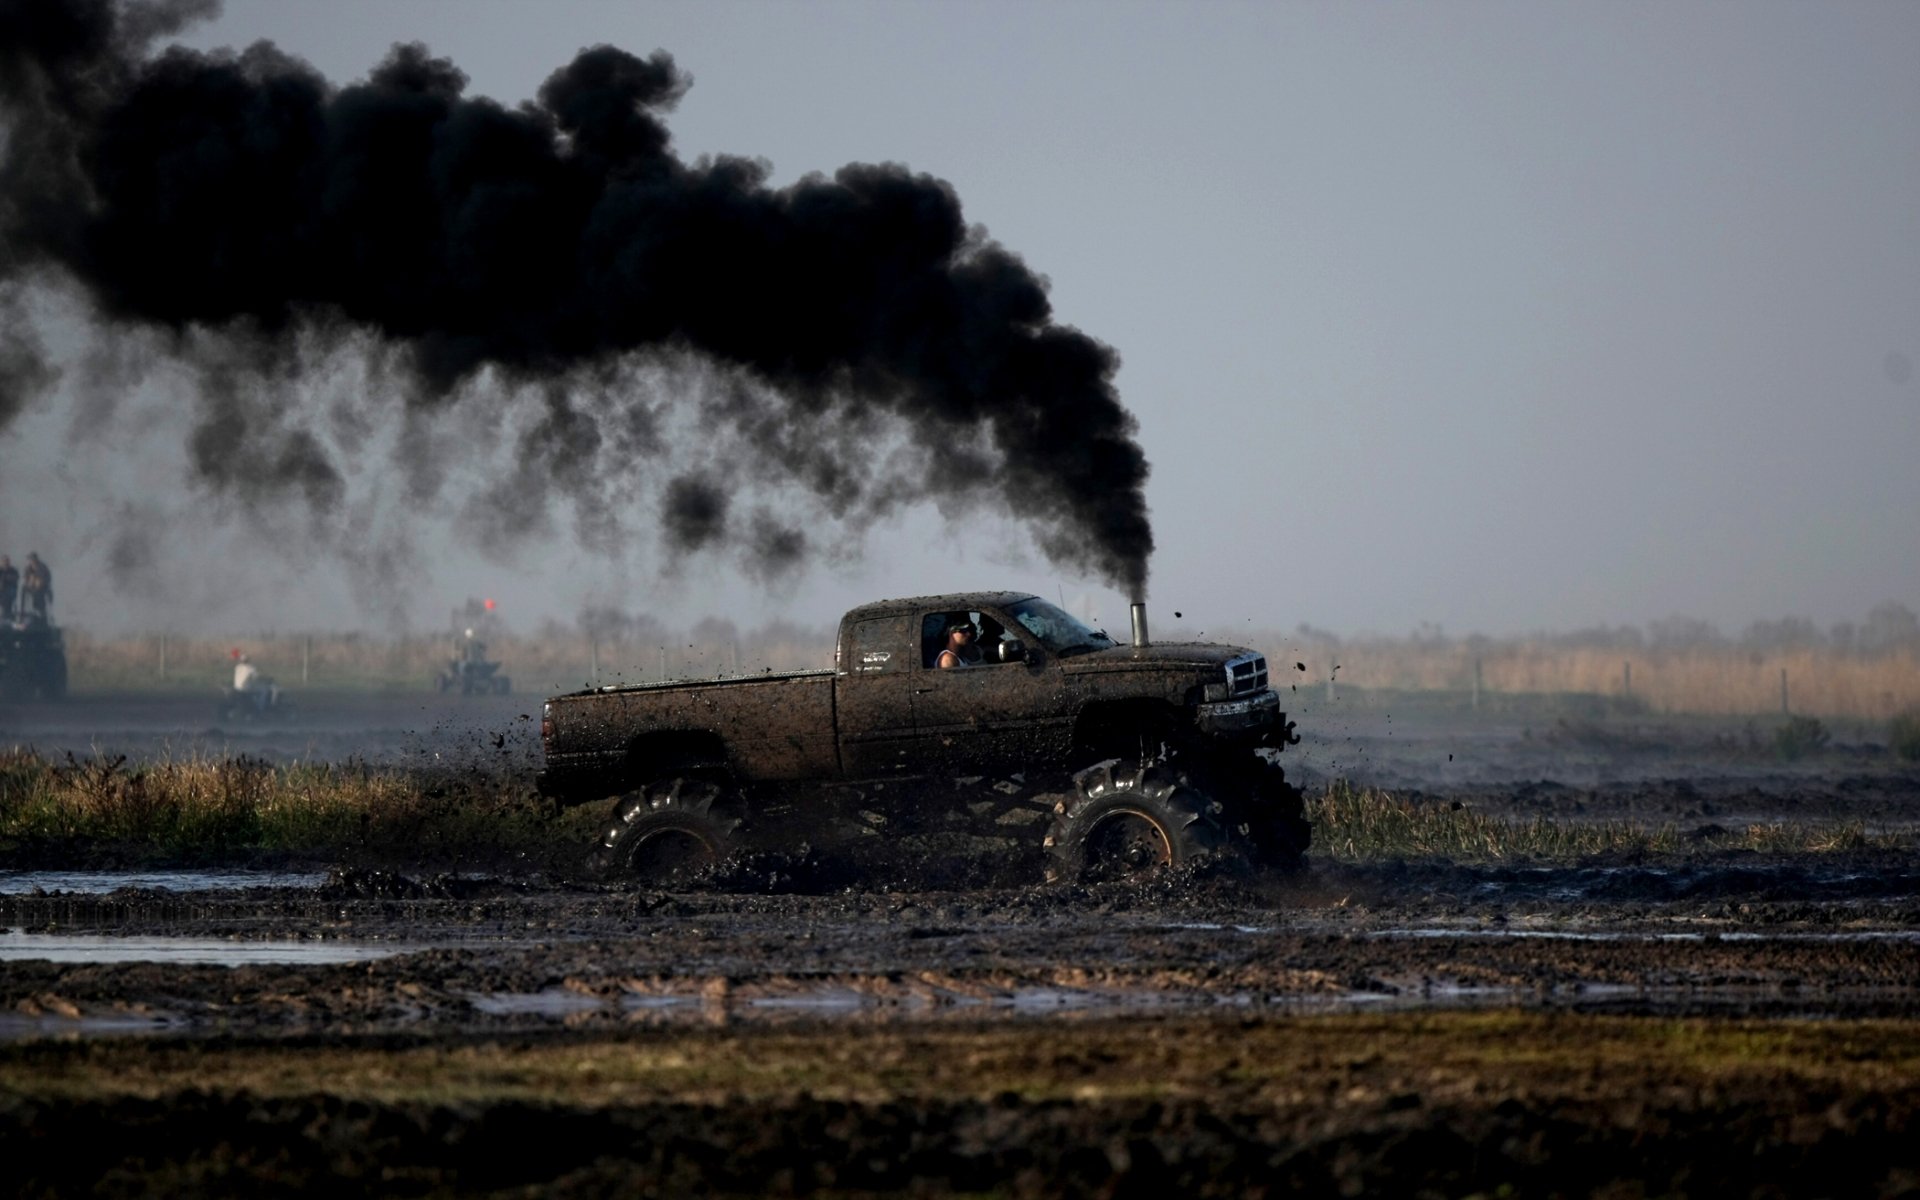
(1798,737)
(208,809)
(1444,1104)
(1358,824)
(1294,1061)
(104,811)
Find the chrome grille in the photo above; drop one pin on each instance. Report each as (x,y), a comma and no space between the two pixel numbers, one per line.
(1246,674)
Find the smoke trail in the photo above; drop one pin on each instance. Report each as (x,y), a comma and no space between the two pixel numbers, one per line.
(238,203)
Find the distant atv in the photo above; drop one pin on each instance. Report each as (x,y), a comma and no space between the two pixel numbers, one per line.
(270,704)
(33,660)
(1132,758)
(473,676)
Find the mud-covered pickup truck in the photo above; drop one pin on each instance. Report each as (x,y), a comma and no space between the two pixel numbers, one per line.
(1144,754)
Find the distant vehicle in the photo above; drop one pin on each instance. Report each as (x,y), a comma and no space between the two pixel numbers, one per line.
(270,704)
(471,671)
(1159,752)
(33,660)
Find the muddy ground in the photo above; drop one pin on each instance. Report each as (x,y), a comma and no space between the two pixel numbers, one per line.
(1704,1023)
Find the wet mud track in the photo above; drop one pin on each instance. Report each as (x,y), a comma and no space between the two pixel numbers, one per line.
(1830,934)
(1706,1023)
(1708,1028)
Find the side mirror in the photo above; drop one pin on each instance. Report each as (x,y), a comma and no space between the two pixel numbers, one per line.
(1012,652)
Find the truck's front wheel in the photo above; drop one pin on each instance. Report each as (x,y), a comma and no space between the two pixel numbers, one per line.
(1277,815)
(1262,809)
(1126,821)
(665,832)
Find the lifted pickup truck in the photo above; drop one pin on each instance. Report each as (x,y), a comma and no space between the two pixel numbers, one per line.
(1154,754)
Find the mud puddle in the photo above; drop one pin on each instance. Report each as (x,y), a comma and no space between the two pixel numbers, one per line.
(1837,937)
(829,1006)
(837,1004)
(17,1027)
(100,883)
(16,945)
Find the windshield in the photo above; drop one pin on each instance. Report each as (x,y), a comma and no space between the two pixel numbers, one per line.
(1058,630)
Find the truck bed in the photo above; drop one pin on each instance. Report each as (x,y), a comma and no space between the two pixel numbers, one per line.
(771,726)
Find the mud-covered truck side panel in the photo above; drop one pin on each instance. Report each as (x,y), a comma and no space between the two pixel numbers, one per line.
(1049,693)
(775,727)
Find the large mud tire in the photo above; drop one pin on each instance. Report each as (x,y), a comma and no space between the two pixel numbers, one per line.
(1263,813)
(1278,833)
(665,832)
(1127,821)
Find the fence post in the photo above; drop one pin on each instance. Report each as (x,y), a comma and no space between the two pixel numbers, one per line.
(733,657)
(1626,678)
(663,664)
(163,657)
(1476,683)
(306,655)
(1783,691)
(593,660)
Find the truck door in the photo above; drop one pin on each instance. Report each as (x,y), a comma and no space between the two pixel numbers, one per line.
(992,715)
(873,709)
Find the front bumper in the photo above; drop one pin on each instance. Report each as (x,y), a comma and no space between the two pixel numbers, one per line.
(1238,718)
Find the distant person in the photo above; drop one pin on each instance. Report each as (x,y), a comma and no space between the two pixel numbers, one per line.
(36,587)
(959,646)
(9,587)
(249,682)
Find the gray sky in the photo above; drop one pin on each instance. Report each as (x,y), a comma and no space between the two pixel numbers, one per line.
(1502,316)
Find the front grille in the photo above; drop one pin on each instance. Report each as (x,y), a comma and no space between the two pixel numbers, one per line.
(1246,675)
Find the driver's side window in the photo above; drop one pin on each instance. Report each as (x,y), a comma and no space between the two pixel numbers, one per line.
(982,648)
(933,637)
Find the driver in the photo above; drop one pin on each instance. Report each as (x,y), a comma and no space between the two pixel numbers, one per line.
(958,651)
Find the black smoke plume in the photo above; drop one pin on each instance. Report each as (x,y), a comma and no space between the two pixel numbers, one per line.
(239,199)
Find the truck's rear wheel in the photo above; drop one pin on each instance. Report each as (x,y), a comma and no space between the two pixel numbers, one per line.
(1125,821)
(666,831)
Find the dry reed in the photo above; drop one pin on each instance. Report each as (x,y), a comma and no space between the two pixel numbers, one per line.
(1725,681)
(201,808)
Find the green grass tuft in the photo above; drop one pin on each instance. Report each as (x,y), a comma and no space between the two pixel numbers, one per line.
(1358,824)
(1903,736)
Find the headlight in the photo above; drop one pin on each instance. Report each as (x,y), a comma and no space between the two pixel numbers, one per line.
(1214,693)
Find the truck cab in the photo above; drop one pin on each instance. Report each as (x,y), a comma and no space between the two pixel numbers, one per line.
(1039,686)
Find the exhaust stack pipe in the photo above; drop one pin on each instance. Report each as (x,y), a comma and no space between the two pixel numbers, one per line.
(1138,611)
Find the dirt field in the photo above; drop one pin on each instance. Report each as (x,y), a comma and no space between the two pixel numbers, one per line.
(1703,1023)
